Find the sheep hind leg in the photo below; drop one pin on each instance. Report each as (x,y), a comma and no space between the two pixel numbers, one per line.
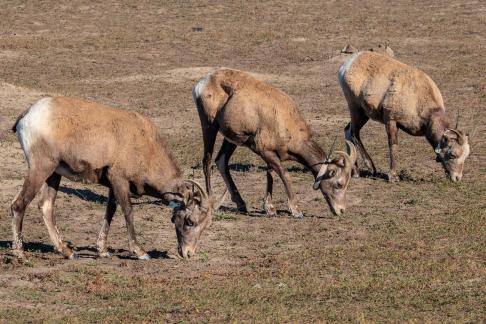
(352,133)
(227,149)
(46,205)
(32,184)
(209,138)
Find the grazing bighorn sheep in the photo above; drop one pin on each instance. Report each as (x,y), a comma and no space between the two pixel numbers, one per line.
(251,113)
(89,142)
(379,87)
(384,49)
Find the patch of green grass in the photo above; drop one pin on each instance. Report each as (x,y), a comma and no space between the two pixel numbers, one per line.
(19,314)
(204,256)
(221,215)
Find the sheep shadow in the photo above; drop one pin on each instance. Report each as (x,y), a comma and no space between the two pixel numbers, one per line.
(373,175)
(248,167)
(403,175)
(255,213)
(84,194)
(85,252)
(88,195)
(92,252)
(29,246)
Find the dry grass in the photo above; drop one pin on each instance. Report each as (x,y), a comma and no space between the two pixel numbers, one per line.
(413,251)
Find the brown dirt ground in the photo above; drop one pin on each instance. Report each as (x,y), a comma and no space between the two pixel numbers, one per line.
(412,251)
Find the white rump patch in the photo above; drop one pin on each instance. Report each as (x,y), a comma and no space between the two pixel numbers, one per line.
(34,124)
(345,66)
(199,87)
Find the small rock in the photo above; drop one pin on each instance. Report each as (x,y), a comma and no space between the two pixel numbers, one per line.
(299,39)
(282,285)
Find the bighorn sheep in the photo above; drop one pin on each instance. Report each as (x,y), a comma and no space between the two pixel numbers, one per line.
(384,49)
(251,113)
(89,142)
(379,87)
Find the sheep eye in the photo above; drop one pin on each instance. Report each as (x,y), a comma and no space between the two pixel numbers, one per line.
(451,155)
(188,222)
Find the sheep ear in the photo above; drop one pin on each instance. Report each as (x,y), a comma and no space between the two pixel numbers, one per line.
(340,162)
(195,190)
(449,137)
(344,160)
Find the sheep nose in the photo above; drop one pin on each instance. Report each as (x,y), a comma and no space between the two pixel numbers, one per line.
(182,252)
(456,178)
(186,252)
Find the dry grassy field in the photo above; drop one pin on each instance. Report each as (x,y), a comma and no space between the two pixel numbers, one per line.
(409,251)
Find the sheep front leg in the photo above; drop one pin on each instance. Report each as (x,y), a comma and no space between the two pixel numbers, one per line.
(392,132)
(273,161)
(267,203)
(121,190)
(102,237)
(227,149)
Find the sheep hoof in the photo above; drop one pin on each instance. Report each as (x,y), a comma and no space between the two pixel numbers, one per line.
(270,209)
(242,209)
(392,177)
(271,212)
(20,255)
(298,215)
(105,254)
(73,256)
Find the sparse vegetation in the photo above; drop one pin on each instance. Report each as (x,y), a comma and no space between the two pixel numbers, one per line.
(221,215)
(412,251)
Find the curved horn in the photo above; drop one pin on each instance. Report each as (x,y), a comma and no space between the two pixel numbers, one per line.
(351,151)
(204,195)
(458,133)
(221,199)
(457,119)
(319,175)
(331,149)
(460,136)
